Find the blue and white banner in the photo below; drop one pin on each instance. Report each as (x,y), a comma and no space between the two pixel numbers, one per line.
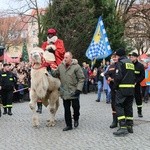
(99,47)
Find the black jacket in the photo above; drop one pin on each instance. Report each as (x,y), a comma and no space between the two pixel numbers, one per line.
(99,76)
(125,76)
(7,80)
(111,73)
(139,72)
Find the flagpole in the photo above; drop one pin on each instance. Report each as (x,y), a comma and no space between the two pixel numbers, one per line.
(104,62)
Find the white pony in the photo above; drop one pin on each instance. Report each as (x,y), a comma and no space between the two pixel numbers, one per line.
(43,86)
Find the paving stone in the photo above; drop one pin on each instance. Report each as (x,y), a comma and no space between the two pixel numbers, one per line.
(93,133)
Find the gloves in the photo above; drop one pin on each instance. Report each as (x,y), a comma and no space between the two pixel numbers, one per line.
(51,46)
(51,50)
(77,93)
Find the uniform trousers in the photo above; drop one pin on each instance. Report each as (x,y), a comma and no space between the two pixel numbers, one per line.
(7,97)
(124,108)
(113,96)
(138,95)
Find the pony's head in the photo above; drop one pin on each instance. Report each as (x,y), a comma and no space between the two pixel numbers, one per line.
(36,55)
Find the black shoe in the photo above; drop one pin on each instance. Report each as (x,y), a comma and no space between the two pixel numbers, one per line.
(9,113)
(5,111)
(67,128)
(130,129)
(39,111)
(121,132)
(115,121)
(97,100)
(76,123)
(140,115)
(113,125)
(145,101)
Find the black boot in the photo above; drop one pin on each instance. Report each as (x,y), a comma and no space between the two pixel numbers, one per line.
(5,111)
(122,131)
(39,105)
(115,121)
(130,129)
(140,112)
(76,123)
(9,111)
(67,128)
(129,124)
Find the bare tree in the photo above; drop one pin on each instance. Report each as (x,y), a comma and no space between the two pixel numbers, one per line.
(138,26)
(9,31)
(122,8)
(29,12)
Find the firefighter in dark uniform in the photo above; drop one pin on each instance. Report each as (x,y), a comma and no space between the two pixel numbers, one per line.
(110,74)
(139,76)
(7,84)
(124,84)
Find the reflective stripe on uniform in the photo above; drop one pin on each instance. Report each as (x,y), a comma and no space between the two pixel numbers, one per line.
(4,75)
(121,117)
(129,66)
(127,85)
(139,106)
(137,72)
(8,105)
(11,79)
(129,118)
(123,127)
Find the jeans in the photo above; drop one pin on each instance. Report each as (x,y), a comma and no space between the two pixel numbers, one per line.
(85,87)
(99,90)
(108,95)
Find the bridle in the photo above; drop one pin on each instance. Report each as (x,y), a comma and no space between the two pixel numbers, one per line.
(42,65)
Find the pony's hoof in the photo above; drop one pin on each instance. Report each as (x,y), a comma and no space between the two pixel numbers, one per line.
(51,124)
(31,106)
(35,121)
(36,124)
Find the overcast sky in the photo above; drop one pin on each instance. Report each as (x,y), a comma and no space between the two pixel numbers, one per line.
(7,4)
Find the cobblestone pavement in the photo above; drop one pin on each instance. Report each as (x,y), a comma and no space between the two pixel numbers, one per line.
(93,133)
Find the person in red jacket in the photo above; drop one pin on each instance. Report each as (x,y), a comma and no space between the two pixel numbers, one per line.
(56,47)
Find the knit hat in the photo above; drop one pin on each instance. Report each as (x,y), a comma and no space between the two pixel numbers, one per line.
(120,52)
(134,54)
(51,31)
